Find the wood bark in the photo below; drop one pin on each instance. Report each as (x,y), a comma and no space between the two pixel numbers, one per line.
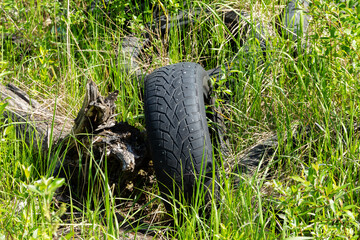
(93,136)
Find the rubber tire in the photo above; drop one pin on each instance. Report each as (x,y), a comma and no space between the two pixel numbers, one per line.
(177,129)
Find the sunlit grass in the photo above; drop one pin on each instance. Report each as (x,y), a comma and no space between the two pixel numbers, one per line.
(305,92)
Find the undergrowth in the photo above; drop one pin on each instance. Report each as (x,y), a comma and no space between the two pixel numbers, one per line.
(305,92)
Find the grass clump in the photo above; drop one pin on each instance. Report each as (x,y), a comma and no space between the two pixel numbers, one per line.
(317,191)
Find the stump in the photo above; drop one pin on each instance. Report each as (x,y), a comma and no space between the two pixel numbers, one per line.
(93,136)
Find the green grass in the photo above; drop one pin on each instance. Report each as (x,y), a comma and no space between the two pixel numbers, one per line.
(310,101)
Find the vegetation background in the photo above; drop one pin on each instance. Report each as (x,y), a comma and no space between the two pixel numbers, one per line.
(306,92)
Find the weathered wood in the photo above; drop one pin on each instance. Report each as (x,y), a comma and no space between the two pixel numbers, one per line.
(96,111)
(94,135)
(33,121)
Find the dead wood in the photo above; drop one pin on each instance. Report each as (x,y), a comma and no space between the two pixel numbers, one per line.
(93,136)
(33,122)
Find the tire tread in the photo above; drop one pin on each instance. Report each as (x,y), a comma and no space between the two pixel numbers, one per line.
(176,123)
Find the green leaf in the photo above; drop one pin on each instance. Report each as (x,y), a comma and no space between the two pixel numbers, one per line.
(2,107)
(8,130)
(350,214)
(332,205)
(348,31)
(68,236)
(350,207)
(298,179)
(58,182)
(27,171)
(33,189)
(315,167)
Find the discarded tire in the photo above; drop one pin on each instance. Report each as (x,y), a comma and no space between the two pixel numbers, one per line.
(296,19)
(177,129)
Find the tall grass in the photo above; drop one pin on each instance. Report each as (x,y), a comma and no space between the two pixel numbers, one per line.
(305,92)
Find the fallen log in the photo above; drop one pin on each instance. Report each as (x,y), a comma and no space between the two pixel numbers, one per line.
(93,136)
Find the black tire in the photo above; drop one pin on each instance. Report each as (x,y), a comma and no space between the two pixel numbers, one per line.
(177,129)
(295,19)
